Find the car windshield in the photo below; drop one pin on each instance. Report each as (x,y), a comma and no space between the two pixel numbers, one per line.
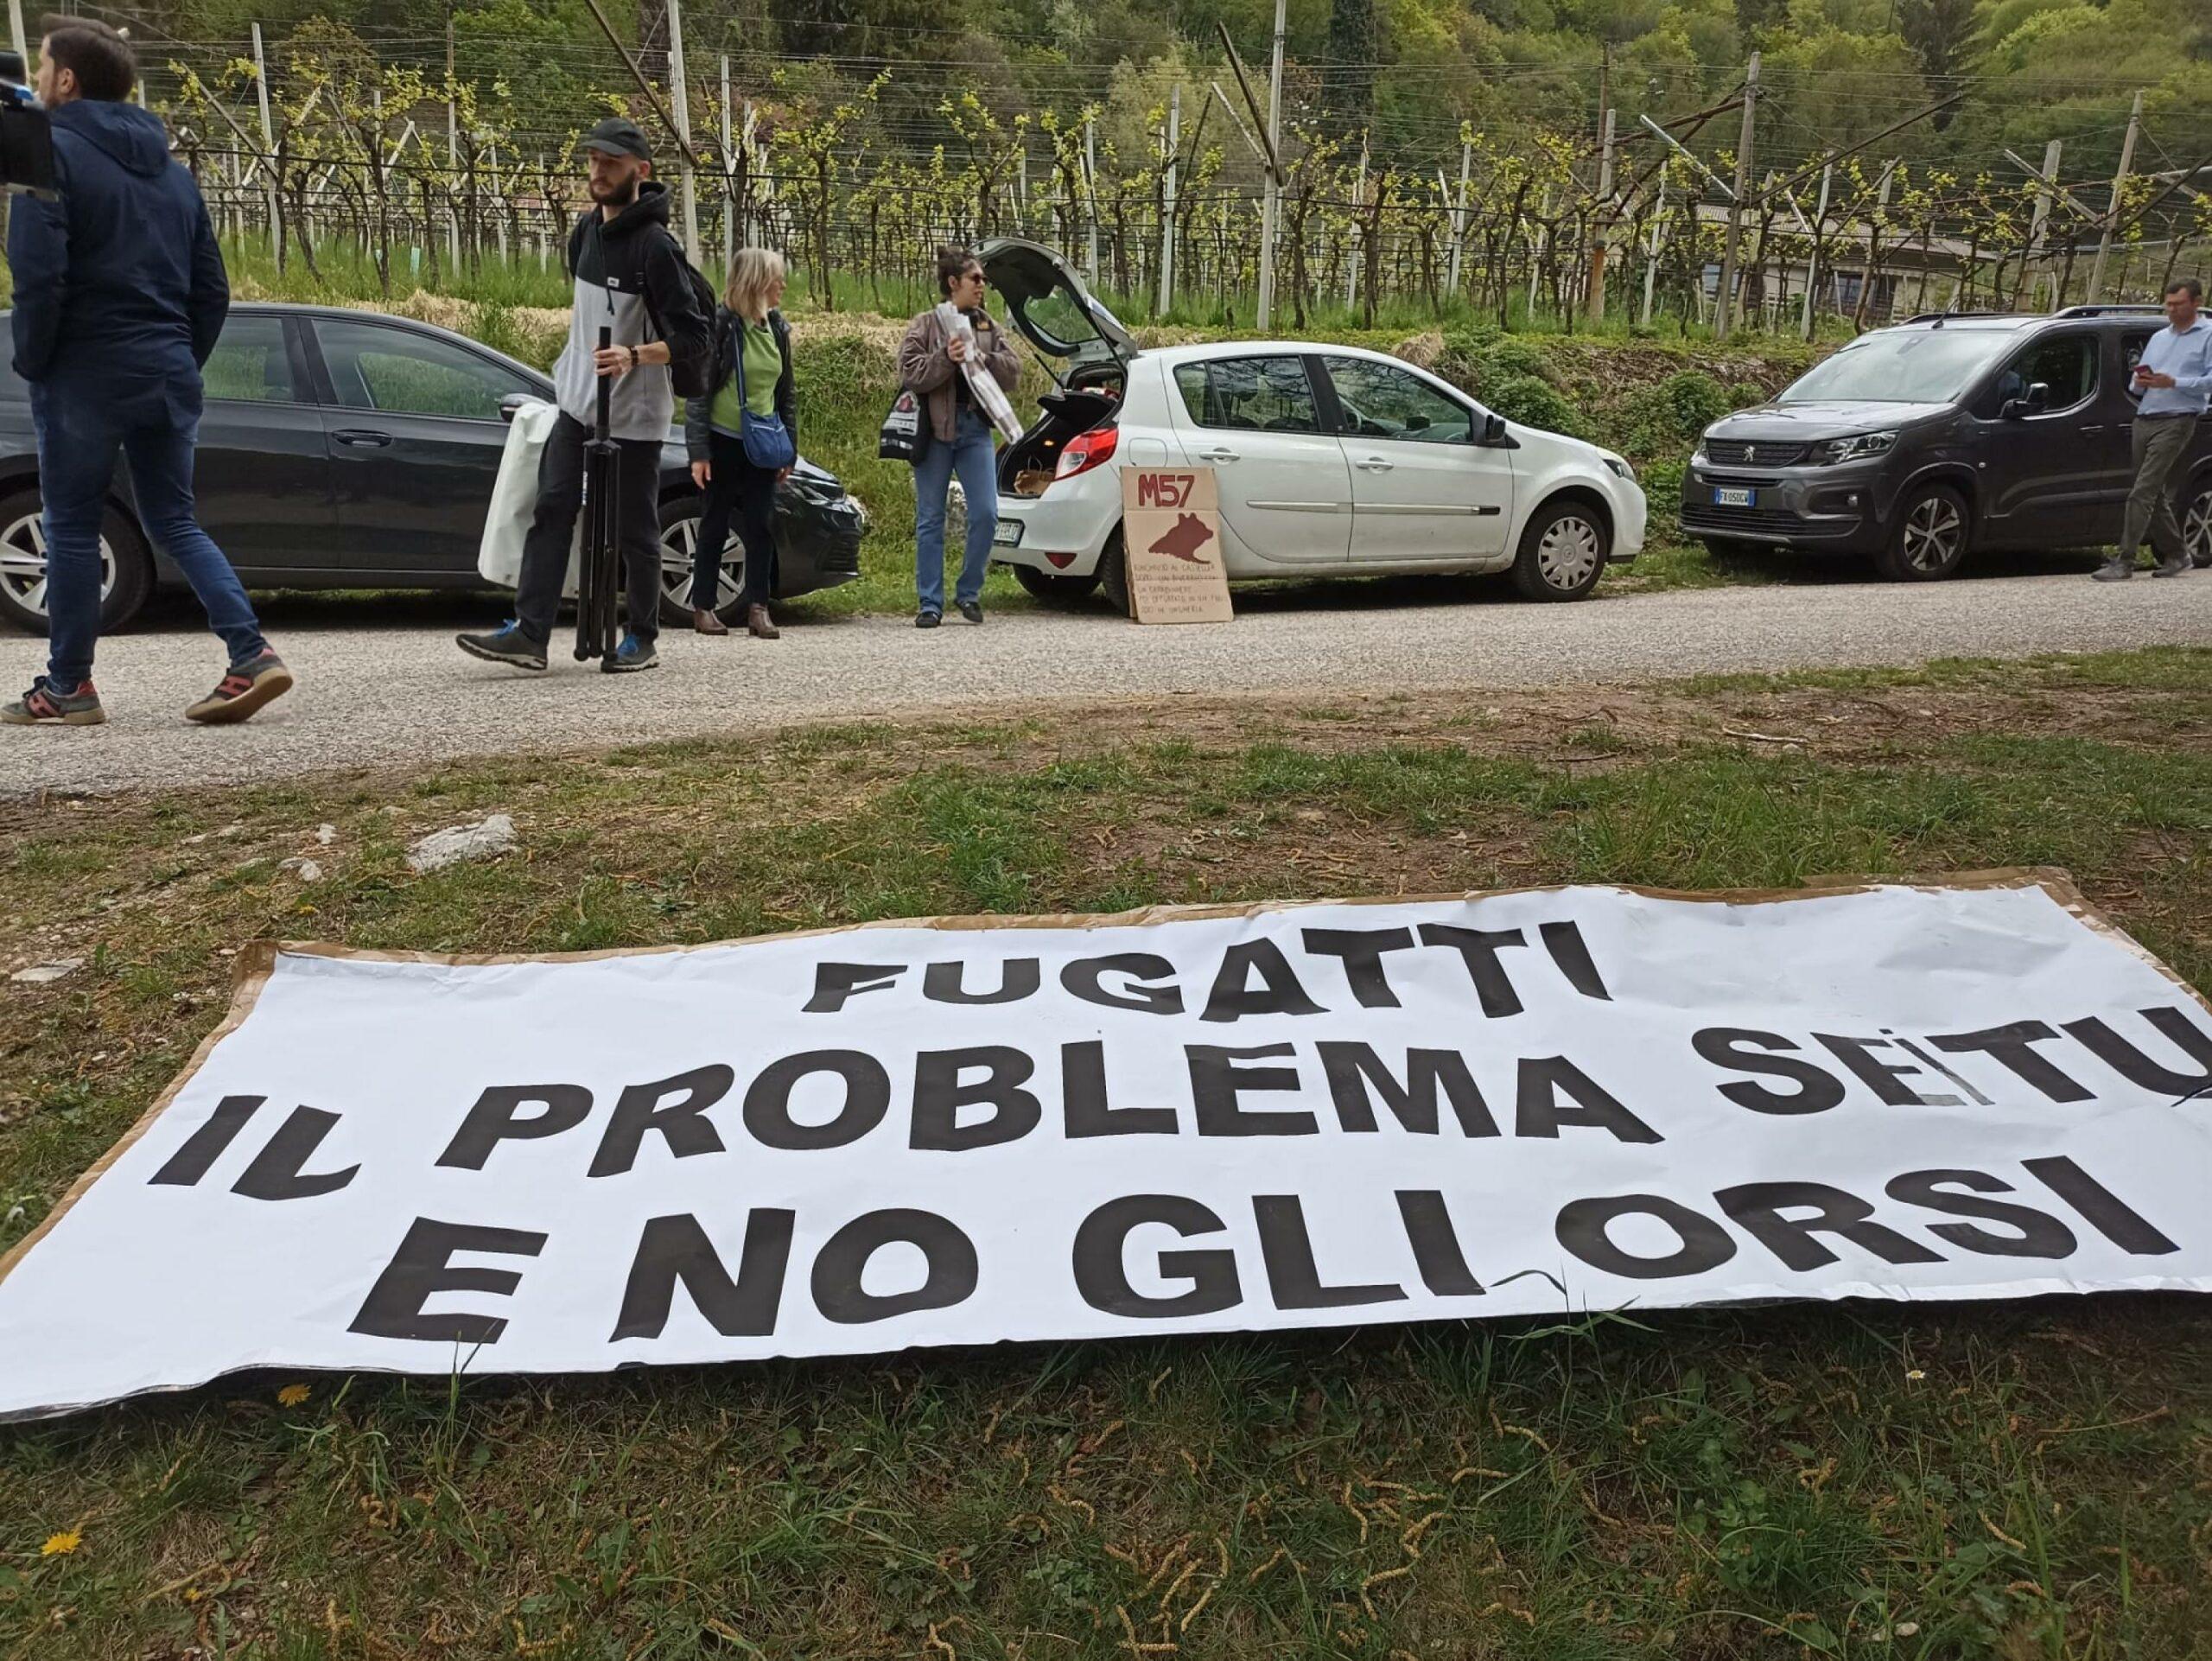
(1920,367)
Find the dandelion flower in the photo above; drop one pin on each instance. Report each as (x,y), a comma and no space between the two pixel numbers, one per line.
(293,1395)
(61,1544)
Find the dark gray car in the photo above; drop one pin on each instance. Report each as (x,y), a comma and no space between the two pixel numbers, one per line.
(351,449)
(1916,444)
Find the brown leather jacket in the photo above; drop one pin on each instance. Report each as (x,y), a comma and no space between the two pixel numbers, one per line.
(925,368)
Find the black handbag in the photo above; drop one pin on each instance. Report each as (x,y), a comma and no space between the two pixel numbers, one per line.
(903,436)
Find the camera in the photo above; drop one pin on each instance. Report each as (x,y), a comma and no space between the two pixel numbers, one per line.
(26,140)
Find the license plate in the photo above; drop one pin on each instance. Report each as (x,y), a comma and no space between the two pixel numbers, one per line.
(1735,498)
(1008,534)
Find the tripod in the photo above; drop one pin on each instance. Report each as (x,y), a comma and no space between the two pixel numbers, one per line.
(598,575)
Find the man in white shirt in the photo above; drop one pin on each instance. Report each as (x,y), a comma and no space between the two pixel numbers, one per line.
(2174,379)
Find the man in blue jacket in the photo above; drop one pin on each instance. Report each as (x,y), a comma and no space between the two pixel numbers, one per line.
(119,298)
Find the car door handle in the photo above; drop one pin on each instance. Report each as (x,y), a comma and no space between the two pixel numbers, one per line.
(2099,428)
(365,438)
(1218,455)
(1376,464)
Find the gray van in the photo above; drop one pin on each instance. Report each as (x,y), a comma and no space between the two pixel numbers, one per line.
(1916,444)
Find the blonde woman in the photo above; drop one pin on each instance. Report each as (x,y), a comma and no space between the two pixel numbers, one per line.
(743,438)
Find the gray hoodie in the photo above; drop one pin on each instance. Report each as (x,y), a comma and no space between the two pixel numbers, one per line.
(618,265)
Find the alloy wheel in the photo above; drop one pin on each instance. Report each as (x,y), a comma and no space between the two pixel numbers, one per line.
(1569,553)
(679,547)
(1932,533)
(2196,527)
(22,564)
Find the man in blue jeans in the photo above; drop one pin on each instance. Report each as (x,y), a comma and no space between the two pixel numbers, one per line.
(119,298)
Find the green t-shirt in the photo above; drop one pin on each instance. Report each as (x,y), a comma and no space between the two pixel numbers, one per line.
(763,366)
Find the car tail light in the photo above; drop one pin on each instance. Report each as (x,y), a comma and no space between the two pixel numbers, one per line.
(1087,450)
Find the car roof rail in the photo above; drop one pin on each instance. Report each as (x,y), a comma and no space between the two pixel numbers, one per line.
(1949,316)
(2137,307)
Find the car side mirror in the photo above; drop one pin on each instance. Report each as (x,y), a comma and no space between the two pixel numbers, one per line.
(2037,401)
(512,402)
(1494,434)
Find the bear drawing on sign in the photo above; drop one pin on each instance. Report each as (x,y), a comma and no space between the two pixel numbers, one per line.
(1184,538)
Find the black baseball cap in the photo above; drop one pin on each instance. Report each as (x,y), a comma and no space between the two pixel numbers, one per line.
(617,136)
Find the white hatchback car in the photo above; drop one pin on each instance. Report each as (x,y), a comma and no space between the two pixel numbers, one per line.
(1330,460)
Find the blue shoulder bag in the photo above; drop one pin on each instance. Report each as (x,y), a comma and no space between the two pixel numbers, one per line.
(767,444)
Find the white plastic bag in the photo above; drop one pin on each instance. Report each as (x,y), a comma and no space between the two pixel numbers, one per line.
(514,499)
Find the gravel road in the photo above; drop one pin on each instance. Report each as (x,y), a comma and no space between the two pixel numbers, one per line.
(381,683)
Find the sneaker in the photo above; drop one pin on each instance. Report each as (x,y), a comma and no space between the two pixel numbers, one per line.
(2115,570)
(246,689)
(630,656)
(507,643)
(2178,566)
(928,618)
(972,610)
(44,707)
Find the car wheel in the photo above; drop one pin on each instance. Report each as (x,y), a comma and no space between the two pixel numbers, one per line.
(679,546)
(1055,591)
(127,570)
(1929,541)
(2196,521)
(1114,574)
(1562,553)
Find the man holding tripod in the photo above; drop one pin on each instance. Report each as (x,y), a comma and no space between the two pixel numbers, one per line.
(120,296)
(630,277)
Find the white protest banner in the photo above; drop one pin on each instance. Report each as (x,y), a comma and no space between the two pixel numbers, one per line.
(1048,1129)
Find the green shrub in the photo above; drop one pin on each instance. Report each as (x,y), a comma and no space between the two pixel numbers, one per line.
(1510,356)
(1695,401)
(1469,340)
(1664,419)
(1476,359)
(1663,484)
(495,327)
(1533,402)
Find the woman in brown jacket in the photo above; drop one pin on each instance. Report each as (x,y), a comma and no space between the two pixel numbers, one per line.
(932,361)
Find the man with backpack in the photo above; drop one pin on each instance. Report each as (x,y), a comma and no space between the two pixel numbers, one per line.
(630,275)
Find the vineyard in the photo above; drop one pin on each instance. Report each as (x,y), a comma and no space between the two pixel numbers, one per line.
(360,161)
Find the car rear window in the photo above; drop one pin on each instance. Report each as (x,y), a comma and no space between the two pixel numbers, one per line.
(1249,394)
(250,363)
(2131,353)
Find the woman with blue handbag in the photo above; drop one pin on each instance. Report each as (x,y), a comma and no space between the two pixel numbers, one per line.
(743,438)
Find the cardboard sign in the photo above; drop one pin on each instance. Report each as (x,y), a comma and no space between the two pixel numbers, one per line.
(1170,535)
(1173,1121)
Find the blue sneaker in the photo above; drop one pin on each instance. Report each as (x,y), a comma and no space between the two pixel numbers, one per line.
(506,644)
(630,656)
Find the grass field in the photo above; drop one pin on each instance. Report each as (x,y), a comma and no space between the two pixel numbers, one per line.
(2001,1483)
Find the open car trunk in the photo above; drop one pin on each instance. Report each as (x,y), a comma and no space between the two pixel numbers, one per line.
(1082,345)
(1027,466)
